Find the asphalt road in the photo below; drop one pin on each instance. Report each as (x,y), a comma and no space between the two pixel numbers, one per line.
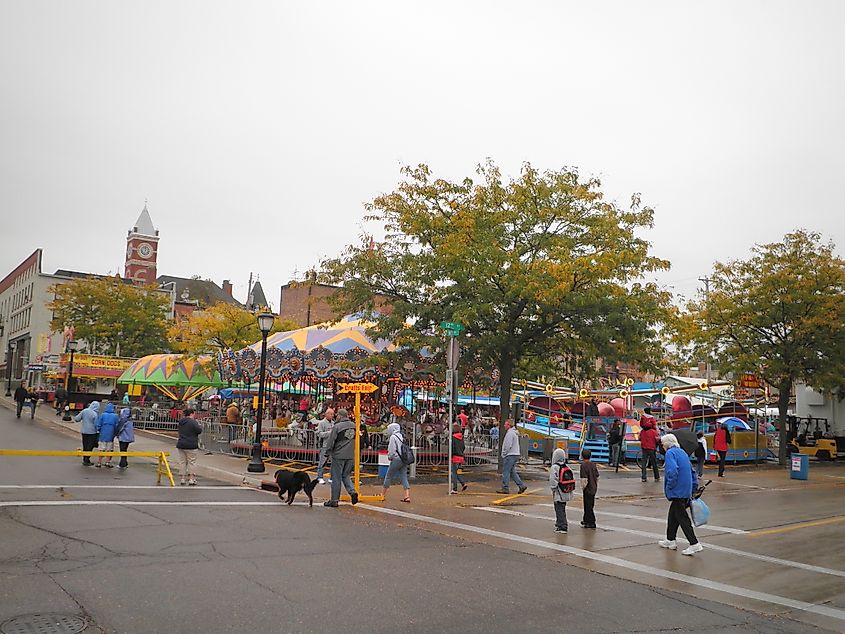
(131,557)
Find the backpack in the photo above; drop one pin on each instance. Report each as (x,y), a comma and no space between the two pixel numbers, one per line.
(566,479)
(405,454)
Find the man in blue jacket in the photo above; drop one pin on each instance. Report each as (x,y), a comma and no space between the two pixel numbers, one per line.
(679,482)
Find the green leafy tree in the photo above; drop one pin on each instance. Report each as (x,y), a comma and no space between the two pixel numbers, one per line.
(112,316)
(779,315)
(537,267)
(221,327)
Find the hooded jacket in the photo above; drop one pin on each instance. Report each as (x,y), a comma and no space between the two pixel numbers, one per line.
(88,417)
(558,461)
(649,436)
(722,438)
(679,479)
(341,442)
(107,423)
(125,428)
(458,447)
(189,434)
(324,429)
(394,441)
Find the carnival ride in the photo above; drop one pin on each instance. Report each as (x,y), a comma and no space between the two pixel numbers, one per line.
(548,414)
(179,377)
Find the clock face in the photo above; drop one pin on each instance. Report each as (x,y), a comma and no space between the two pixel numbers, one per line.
(145,250)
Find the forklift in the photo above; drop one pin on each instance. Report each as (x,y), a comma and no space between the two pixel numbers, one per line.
(815,443)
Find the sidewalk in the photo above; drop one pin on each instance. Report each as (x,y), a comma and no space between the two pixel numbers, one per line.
(429,490)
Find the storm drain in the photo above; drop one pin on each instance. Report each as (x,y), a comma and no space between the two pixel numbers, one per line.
(44,624)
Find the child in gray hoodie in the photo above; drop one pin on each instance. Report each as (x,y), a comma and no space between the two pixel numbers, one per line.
(561,493)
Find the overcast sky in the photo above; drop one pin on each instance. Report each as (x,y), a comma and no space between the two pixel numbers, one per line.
(258,129)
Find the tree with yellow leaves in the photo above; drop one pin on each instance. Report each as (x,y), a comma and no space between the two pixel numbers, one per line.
(538,266)
(220,327)
(780,314)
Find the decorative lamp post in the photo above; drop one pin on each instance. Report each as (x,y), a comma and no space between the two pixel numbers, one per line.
(265,325)
(10,366)
(72,345)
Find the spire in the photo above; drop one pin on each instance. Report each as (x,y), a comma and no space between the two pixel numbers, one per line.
(144,224)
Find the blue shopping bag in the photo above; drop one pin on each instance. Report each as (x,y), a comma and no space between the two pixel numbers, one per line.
(700,512)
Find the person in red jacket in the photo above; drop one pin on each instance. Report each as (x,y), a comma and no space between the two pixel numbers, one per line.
(721,443)
(649,437)
(458,448)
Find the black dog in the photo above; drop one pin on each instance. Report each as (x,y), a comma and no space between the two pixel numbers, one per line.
(291,482)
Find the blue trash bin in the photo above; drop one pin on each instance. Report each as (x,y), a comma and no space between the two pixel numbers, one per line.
(799,466)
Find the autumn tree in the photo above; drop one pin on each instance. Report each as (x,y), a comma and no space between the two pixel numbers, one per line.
(780,314)
(112,316)
(220,327)
(540,266)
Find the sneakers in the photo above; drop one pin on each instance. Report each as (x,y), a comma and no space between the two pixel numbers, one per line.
(182,482)
(330,503)
(502,491)
(354,497)
(464,487)
(320,481)
(192,483)
(644,480)
(693,548)
(522,489)
(560,530)
(668,543)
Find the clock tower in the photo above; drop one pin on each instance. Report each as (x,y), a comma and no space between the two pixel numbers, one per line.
(142,250)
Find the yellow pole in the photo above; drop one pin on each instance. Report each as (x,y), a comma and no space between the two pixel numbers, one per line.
(357,476)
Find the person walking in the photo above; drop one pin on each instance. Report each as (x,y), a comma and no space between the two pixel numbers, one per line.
(188,445)
(324,430)
(700,454)
(340,446)
(458,447)
(510,456)
(614,439)
(106,425)
(397,468)
(32,397)
(21,394)
(126,398)
(562,488)
(61,399)
(721,443)
(88,417)
(649,437)
(125,434)
(678,486)
(589,487)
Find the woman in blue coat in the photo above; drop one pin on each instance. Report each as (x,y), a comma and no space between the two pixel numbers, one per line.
(106,424)
(125,434)
(679,482)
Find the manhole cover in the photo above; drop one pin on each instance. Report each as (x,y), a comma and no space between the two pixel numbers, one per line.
(44,624)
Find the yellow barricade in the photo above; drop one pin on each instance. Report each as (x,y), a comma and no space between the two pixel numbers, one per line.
(162,470)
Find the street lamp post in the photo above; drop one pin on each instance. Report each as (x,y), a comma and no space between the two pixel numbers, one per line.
(72,345)
(265,324)
(10,365)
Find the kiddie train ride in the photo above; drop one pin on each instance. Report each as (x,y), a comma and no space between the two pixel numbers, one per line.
(548,414)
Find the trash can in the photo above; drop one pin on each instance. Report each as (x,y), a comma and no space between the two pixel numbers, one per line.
(383,463)
(523,448)
(550,444)
(799,466)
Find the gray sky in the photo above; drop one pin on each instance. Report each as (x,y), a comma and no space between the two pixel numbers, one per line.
(258,129)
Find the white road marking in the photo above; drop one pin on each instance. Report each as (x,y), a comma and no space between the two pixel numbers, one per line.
(656,536)
(134,503)
(162,487)
(773,599)
(645,518)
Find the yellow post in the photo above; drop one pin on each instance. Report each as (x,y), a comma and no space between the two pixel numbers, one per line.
(357,476)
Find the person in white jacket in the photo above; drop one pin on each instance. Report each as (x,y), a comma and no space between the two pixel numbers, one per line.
(324,429)
(397,469)
(510,456)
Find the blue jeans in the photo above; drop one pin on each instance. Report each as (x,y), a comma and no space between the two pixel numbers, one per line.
(321,463)
(456,478)
(341,473)
(509,472)
(397,469)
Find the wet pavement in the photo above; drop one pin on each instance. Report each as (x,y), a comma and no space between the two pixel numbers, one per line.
(774,545)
